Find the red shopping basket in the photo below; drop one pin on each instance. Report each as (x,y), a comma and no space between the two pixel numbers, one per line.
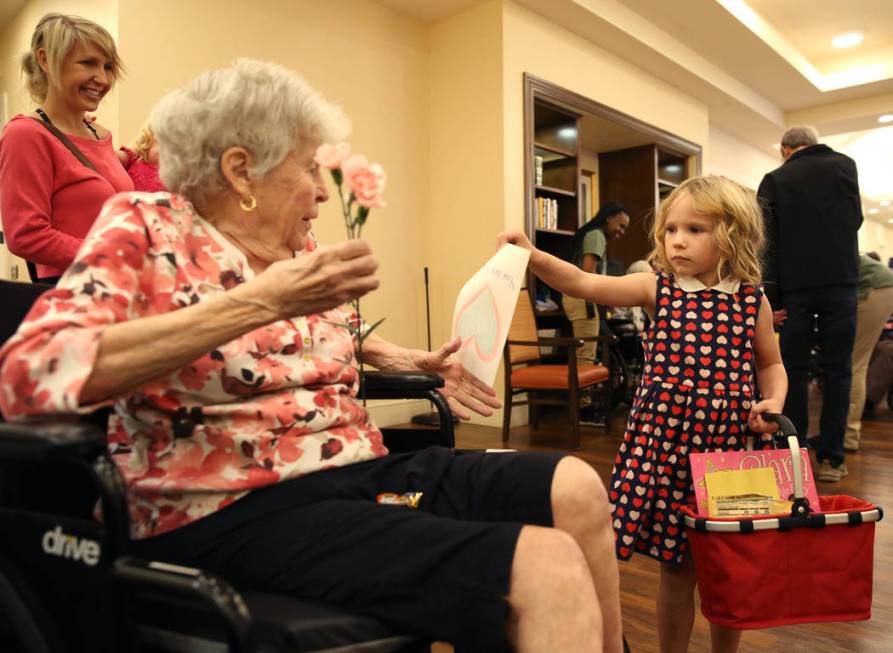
(762,572)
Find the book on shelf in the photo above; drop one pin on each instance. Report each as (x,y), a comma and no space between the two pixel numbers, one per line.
(538,169)
(546,213)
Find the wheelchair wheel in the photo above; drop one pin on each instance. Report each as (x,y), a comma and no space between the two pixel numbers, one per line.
(620,378)
(21,628)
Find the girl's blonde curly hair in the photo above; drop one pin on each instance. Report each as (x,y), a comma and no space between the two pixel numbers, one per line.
(145,139)
(738,233)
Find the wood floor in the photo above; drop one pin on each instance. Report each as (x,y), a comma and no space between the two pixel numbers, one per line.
(870,477)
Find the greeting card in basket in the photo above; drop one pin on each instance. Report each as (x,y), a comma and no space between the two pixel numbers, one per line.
(743,492)
(778,460)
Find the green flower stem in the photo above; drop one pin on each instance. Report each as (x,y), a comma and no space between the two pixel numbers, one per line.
(349,226)
(359,328)
(345,208)
(354,227)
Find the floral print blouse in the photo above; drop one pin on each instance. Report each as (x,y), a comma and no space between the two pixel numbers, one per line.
(273,404)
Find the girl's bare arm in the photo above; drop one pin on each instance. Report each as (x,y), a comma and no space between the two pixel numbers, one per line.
(770,371)
(629,290)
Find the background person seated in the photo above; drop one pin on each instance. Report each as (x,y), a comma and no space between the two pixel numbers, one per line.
(880,376)
(210,319)
(874,308)
(588,250)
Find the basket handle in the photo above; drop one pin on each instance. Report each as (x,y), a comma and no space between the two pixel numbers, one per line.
(800,507)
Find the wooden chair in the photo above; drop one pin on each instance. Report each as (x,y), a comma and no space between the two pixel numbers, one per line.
(525,372)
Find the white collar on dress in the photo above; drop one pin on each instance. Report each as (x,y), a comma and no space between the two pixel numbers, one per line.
(729,285)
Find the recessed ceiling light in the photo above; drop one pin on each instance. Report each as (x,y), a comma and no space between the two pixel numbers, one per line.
(887,117)
(847,39)
(885,202)
(873,211)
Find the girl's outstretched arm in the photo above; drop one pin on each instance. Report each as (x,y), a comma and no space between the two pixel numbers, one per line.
(630,290)
(770,372)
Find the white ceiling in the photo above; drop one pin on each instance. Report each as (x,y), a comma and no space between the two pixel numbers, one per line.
(873,152)
(599,135)
(757,65)
(772,63)
(755,72)
(810,24)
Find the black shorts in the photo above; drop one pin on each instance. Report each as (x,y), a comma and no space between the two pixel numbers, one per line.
(441,572)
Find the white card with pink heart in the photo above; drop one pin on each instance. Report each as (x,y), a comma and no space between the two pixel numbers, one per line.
(484,310)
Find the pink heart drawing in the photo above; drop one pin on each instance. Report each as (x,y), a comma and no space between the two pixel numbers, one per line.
(477,323)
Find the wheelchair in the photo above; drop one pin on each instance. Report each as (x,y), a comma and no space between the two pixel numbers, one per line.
(69,585)
(627,358)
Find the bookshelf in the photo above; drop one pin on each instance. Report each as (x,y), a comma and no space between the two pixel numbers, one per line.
(553,214)
(638,176)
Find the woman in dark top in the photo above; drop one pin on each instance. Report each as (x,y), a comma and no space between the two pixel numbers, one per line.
(588,252)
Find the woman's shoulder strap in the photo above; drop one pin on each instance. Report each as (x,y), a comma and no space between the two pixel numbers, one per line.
(71,147)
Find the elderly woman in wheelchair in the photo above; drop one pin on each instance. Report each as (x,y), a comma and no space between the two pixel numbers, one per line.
(208,319)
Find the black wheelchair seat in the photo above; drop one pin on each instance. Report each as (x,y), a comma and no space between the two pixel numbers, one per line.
(277,623)
(68,585)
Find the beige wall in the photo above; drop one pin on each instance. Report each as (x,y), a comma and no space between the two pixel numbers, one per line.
(15,40)
(733,158)
(534,45)
(370,60)
(440,106)
(466,208)
(875,236)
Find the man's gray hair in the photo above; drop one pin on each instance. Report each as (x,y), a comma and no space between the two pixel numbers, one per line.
(261,106)
(801,136)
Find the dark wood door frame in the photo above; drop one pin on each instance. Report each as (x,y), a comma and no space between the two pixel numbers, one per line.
(543,90)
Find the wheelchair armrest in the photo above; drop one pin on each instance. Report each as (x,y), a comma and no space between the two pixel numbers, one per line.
(573,343)
(205,589)
(412,385)
(50,441)
(399,385)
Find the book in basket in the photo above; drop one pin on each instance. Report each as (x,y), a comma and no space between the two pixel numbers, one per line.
(778,460)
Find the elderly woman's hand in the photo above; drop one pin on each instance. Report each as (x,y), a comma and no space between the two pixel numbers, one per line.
(329,277)
(461,388)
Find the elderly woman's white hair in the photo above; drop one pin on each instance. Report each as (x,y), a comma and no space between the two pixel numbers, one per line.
(260,106)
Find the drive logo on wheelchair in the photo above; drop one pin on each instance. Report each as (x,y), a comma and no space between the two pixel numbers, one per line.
(57,543)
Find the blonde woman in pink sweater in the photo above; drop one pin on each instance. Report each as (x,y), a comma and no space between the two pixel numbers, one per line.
(57,168)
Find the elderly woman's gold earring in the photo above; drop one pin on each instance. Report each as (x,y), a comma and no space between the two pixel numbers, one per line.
(248,204)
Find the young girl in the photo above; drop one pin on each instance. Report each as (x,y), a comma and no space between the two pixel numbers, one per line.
(141,163)
(711,327)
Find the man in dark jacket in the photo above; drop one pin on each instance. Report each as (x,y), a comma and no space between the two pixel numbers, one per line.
(813,211)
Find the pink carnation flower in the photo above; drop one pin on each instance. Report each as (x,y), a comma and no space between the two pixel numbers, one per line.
(331,156)
(364,180)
